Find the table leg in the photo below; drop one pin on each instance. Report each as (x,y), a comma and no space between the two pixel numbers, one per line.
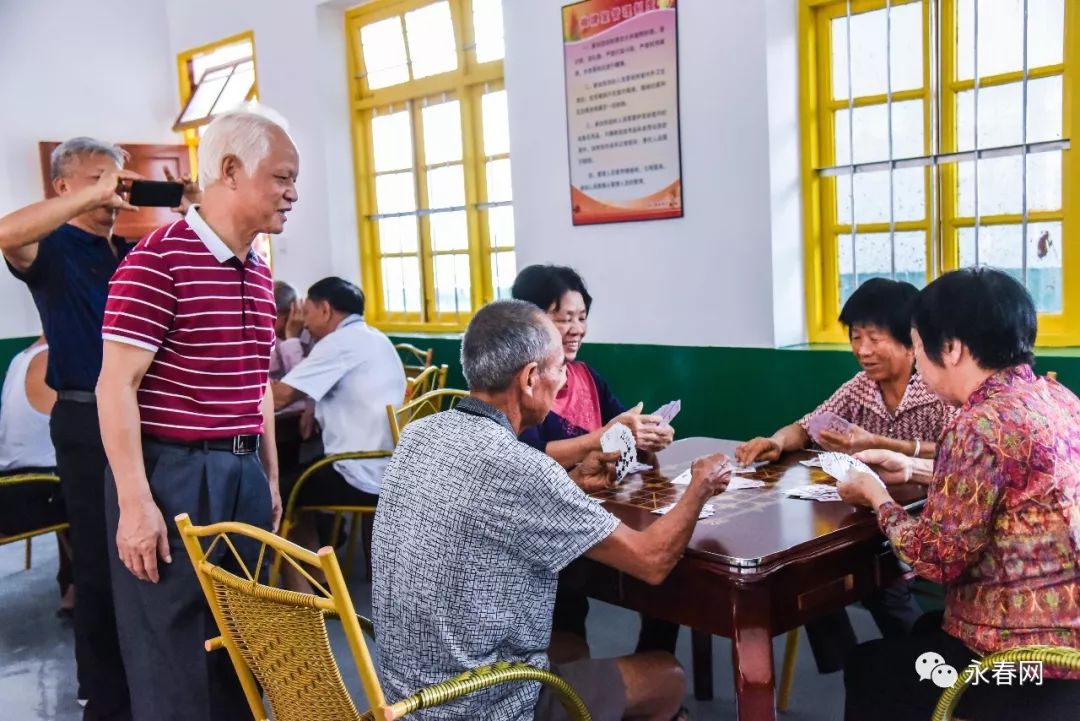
(752,659)
(701,643)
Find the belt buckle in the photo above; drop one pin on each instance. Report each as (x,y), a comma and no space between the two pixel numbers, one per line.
(244,445)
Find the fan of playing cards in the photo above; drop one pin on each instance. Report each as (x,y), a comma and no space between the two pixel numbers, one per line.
(839,465)
(828,421)
(620,438)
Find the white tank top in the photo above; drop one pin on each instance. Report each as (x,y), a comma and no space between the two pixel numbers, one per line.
(24,430)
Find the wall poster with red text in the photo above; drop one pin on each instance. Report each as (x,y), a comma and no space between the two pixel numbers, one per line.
(622,110)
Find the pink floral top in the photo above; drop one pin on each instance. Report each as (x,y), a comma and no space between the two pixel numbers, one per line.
(921,416)
(1001,524)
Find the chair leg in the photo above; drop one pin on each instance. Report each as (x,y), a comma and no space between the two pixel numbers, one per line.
(350,553)
(701,644)
(275,567)
(28,560)
(787,672)
(338,518)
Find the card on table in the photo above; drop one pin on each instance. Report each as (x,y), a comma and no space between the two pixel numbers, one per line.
(828,421)
(816,492)
(620,439)
(707,511)
(638,467)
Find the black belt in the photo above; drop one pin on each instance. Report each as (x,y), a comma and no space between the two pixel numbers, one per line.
(237,445)
(76,396)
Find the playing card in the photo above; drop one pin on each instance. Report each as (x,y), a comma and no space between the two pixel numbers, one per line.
(828,421)
(706,511)
(817,492)
(638,467)
(668,411)
(620,439)
(811,463)
(839,465)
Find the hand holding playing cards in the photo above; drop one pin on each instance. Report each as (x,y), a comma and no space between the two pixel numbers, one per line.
(891,466)
(650,432)
(710,474)
(596,472)
(856,439)
(758,449)
(862,489)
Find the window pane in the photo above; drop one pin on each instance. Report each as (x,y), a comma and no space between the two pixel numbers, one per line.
(498,181)
(1000,119)
(225,55)
(1001,42)
(384,53)
(501,226)
(496,123)
(202,101)
(1000,186)
(452,284)
(431,40)
(395,193)
(391,139)
(442,132)
(872,196)
(449,231)
(875,258)
(397,235)
(503,270)
(446,187)
(401,285)
(872,132)
(236,89)
(868,51)
(488,30)
(1044,266)
(1044,181)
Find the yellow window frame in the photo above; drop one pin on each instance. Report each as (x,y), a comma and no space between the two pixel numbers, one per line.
(466,84)
(191,135)
(821,231)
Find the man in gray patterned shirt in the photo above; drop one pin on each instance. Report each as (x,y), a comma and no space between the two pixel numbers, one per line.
(474,526)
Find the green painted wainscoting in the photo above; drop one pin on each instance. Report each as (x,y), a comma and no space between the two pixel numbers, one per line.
(726,392)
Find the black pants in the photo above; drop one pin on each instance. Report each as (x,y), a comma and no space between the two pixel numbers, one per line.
(572,608)
(80,462)
(163,625)
(832,638)
(882,685)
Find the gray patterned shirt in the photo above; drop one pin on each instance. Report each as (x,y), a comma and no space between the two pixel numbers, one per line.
(472,530)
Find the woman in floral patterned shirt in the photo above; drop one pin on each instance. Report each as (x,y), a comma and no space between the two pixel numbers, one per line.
(1001,524)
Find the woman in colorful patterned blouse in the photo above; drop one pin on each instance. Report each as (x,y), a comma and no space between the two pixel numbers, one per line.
(584,408)
(1001,524)
(890,407)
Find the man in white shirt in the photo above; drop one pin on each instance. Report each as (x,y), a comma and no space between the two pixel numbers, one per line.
(352,373)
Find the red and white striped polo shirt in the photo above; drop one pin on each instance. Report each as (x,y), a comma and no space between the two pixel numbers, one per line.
(209,319)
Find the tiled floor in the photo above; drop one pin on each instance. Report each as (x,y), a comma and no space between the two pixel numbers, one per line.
(37,669)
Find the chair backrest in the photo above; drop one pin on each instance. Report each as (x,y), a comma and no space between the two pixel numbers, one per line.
(414,359)
(20,479)
(278,637)
(420,407)
(430,379)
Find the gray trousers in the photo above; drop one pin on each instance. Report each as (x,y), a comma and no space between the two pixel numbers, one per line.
(163,626)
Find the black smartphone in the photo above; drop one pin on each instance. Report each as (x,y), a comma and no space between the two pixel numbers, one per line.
(155,193)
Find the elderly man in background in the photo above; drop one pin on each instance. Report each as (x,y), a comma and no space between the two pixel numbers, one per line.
(474,526)
(64,250)
(184,404)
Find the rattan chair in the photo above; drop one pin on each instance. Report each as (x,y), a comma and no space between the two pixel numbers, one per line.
(425,405)
(1058,657)
(293,509)
(28,536)
(415,360)
(431,379)
(278,640)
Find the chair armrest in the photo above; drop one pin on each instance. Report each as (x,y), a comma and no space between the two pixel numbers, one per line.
(486,677)
(1053,656)
(21,478)
(290,502)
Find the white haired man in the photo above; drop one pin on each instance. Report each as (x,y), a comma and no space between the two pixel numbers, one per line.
(185,406)
(64,250)
(474,526)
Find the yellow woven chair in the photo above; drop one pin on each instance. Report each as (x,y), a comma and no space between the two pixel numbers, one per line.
(277,639)
(1067,659)
(415,360)
(425,405)
(430,379)
(293,509)
(28,536)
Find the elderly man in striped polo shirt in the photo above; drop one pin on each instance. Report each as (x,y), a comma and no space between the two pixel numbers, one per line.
(184,404)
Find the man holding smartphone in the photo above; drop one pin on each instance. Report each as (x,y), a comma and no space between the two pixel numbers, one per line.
(64,250)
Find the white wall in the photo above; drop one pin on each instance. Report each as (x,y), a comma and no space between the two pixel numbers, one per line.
(706,278)
(72,67)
